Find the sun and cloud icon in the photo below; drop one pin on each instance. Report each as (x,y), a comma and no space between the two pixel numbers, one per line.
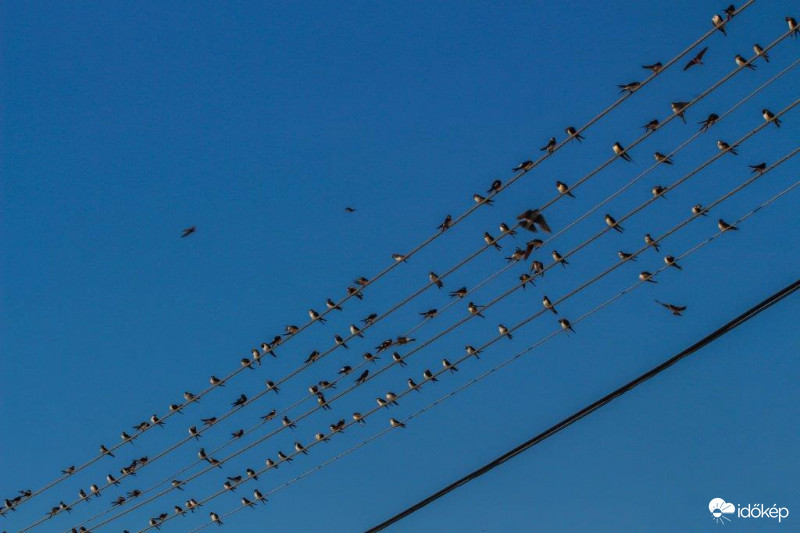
(719,508)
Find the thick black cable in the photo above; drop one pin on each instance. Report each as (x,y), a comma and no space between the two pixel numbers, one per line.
(727,328)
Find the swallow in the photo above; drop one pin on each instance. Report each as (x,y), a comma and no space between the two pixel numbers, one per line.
(315,316)
(549,305)
(724,226)
(563,188)
(269,416)
(382,402)
(459,293)
(326,385)
(658,191)
(565,325)
(475,309)
(179,511)
(271,386)
(613,224)
(620,151)
(730,11)
(209,421)
(251,474)
(361,281)
(531,246)
(572,133)
(647,276)
(550,146)
(345,370)
(793,27)
(655,67)
(288,423)
(504,331)
(532,218)
(670,261)
(400,258)
(516,255)
(648,240)
(495,187)
(651,126)
(430,313)
(760,52)
(215,381)
(625,256)
(412,385)
(141,426)
(396,423)
(247,363)
(428,375)
(769,116)
(258,496)
(188,231)
(742,62)
(538,267)
(362,378)
(126,438)
(134,493)
(350,209)
(445,224)
(332,305)
(69,470)
(696,60)
(370,358)
(525,165)
(759,168)
(95,490)
(355,331)
(447,365)
(270,463)
(247,503)
(524,279)
(201,454)
(679,108)
(359,418)
(707,123)
(661,158)
(481,200)
(629,87)
(491,241)
(340,342)
(215,518)
(677,310)
(240,401)
(110,480)
(291,329)
(321,437)
(391,398)
(82,495)
(698,209)
(299,448)
(352,291)
(725,147)
(175,408)
(505,230)
(384,345)
(397,358)
(119,501)
(434,278)
(472,351)
(719,24)
(558,258)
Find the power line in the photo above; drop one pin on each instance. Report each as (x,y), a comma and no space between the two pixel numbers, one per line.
(552,430)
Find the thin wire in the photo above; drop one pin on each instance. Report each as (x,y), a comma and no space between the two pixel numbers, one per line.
(585,243)
(452,302)
(513,358)
(525,321)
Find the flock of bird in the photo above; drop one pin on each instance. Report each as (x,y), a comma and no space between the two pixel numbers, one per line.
(531,220)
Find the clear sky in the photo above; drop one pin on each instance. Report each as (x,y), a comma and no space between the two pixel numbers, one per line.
(123,123)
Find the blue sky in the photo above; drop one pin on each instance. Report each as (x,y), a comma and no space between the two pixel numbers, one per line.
(122,124)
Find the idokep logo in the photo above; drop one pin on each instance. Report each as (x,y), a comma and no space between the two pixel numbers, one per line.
(719,508)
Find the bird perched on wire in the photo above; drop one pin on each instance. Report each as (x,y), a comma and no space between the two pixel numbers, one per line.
(613,224)
(447,365)
(550,146)
(724,226)
(620,151)
(430,313)
(459,293)
(769,116)
(445,224)
(362,378)
(475,309)
(651,126)
(240,401)
(504,331)
(625,256)
(661,158)
(730,11)
(698,209)
(676,310)
(679,108)
(558,258)
(655,67)
(572,133)
(505,230)
(629,87)
(491,241)
(565,325)
(708,122)
(495,187)
(742,62)
(719,24)
(759,168)
(397,358)
(670,261)
(725,147)
(649,241)
(658,191)
(188,231)
(647,276)
(330,304)
(760,52)
(549,305)
(315,316)
(532,218)
(525,165)
(696,60)
(563,188)
(396,423)
(435,279)
(793,27)
(480,200)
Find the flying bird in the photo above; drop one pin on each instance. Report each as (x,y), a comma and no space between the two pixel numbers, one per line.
(188,231)
(676,310)
(532,218)
(696,60)
(350,209)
